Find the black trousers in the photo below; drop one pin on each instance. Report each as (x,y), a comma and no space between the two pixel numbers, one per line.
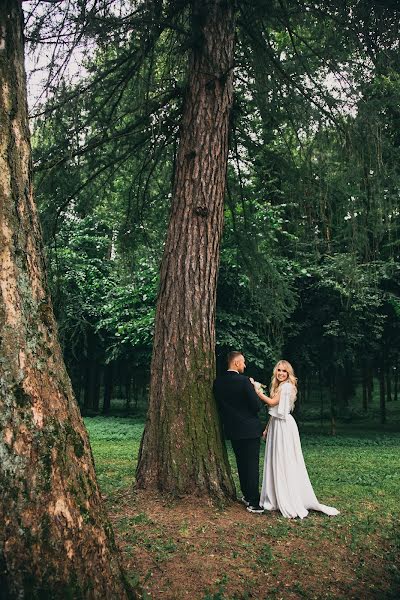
(247,453)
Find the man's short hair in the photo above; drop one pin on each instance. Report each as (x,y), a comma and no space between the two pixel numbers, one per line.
(231,357)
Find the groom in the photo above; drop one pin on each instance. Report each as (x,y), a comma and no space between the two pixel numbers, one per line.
(238,406)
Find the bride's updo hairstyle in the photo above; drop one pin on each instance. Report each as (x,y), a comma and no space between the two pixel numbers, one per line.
(283,364)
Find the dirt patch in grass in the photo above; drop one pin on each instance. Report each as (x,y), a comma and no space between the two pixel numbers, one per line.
(194,549)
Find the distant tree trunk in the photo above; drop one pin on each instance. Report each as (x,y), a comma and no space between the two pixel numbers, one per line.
(382,395)
(370,384)
(333,399)
(55,541)
(364,381)
(396,382)
(389,383)
(341,391)
(349,383)
(321,397)
(89,400)
(108,387)
(82,383)
(96,387)
(182,450)
(306,389)
(128,389)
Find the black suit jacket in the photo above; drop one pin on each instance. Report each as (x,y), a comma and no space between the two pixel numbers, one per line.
(238,406)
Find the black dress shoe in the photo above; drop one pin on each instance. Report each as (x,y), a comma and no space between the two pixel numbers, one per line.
(255,509)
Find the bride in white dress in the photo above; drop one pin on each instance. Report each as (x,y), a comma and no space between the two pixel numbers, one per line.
(286,485)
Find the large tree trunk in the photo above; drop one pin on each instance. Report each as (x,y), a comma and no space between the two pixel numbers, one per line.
(55,541)
(182,450)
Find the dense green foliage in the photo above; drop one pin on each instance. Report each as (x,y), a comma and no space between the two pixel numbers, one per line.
(310,257)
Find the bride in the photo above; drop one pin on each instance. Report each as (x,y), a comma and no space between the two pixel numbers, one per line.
(286,485)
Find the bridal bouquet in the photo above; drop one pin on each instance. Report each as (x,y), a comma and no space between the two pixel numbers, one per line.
(261,386)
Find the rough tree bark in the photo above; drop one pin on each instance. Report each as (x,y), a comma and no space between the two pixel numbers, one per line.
(182,450)
(55,540)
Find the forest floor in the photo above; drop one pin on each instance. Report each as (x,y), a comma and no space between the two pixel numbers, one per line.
(195,549)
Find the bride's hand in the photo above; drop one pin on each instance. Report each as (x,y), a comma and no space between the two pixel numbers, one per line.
(256,384)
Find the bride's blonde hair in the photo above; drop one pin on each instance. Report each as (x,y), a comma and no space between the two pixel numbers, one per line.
(284,364)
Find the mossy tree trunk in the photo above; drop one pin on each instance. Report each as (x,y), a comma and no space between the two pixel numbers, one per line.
(182,450)
(55,540)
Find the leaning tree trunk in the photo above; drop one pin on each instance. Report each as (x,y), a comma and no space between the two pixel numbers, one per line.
(182,450)
(55,541)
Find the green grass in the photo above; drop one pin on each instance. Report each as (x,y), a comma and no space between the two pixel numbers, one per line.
(347,469)
(115,443)
(359,473)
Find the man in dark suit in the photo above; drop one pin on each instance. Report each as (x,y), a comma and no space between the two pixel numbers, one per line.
(238,406)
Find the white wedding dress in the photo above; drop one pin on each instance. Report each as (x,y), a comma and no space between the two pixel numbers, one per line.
(286,485)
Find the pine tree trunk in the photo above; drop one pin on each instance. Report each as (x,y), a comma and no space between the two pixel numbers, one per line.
(182,450)
(55,541)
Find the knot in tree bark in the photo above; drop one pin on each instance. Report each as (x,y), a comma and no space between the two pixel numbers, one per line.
(201,211)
